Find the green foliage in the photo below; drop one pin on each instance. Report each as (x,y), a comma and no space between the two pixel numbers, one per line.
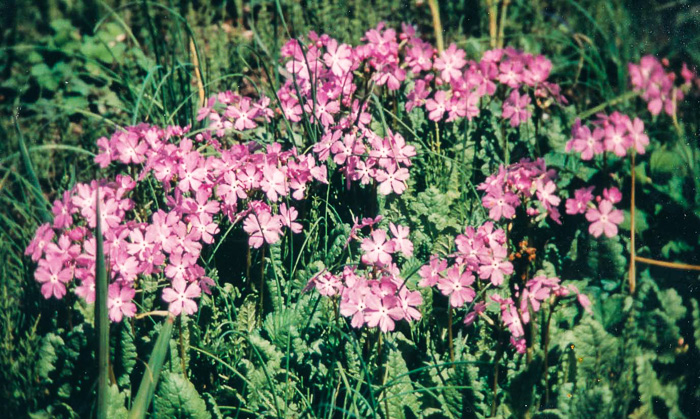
(261,346)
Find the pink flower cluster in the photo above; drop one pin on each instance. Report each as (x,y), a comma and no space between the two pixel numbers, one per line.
(377,296)
(516,314)
(480,252)
(483,253)
(526,183)
(459,84)
(615,133)
(170,243)
(604,218)
(656,86)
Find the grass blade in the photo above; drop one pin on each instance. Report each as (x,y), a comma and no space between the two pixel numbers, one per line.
(150,377)
(42,202)
(101,319)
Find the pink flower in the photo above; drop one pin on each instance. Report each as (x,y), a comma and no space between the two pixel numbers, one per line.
(382,312)
(243,114)
(53,277)
(457,286)
(377,249)
(515,108)
(636,133)
(495,265)
(430,273)
(616,139)
(338,58)
(119,302)
(353,304)
(273,183)
(479,308)
(587,143)
(612,194)
(500,204)
(43,236)
(546,193)
(604,219)
(392,180)
(327,284)
(262,227)
(401,242)
(450,63)
(579,203)
(180,296)
(409,300)
(288,217)
(129,148)
(436,106)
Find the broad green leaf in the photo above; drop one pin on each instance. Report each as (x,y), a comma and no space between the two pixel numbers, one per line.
(178,398)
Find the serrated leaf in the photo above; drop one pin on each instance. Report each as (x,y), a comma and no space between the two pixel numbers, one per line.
(401,399)
(178,398)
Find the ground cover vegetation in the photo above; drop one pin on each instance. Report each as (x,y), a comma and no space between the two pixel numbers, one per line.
(302,209)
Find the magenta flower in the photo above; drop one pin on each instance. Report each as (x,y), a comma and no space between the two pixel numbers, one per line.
(392,180)
(579,203)
(436,106)
(377,249)
(450,63)
(181,295)
(500,204)
(262,227)
(119,301)
(43,236)
(338,58)
(515,108)
(53,277)
(604,219)
(430,273)
(495,266)
(382,312)
(457,286)
(327,284)
(401,242)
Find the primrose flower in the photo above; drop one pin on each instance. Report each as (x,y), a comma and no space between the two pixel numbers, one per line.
(604,219)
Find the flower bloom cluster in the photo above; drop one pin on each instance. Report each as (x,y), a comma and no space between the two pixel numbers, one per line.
(615,133)
(459,84)
(516,314)
(170,243)
(480,262)
(376,296)
(604,217)
(656,86)
(527,183)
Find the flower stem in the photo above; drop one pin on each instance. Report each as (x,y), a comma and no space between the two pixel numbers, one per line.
(437,25)
(449,334)
(673,265)
(632,271)
(612,102)
(502,25)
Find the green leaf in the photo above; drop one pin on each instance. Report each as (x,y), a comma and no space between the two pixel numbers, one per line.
(116,403)
(400,394)
(696,322)
(178,398)
(47,355)
(152,373)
